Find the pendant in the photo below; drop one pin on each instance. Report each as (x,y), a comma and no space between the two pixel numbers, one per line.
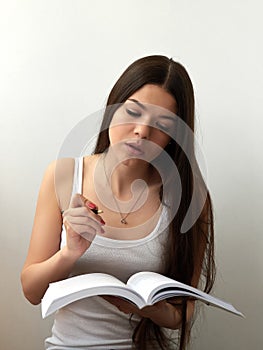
(123,221)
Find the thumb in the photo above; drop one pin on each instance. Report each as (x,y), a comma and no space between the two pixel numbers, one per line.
(78,200)
(87,203)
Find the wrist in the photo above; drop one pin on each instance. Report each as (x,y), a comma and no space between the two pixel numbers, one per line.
(69,256)
(163,314)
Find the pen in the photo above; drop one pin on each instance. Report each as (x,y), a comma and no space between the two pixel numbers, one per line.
(95,210)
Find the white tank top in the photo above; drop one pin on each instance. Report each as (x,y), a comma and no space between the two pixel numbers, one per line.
(93,323)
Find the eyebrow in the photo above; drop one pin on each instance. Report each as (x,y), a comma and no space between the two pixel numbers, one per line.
(144,108)
(137,102)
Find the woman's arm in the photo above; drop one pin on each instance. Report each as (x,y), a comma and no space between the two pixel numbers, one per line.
(45,262)
(168,314)
(164,314)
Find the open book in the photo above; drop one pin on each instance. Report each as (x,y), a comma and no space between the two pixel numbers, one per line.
(142,289)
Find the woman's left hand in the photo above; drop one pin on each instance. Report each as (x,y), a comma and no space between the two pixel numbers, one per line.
(162,313)
(122,305)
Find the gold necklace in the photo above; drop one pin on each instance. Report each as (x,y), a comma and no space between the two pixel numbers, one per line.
(123,217)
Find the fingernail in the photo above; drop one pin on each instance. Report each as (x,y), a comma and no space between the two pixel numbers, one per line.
(91,205)
(102,221)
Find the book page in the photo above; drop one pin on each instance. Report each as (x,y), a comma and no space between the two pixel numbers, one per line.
(77,283)
(64,292)
(147,283)
(155,287)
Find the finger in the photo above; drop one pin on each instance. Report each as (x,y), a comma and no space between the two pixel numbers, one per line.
(80,211)
(86,232)
(83,212)
(85,221)
(80,216)
(87,203)
(89,236)
(76,201)
(79,201)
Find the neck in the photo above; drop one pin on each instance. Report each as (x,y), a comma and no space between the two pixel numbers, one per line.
(121,175)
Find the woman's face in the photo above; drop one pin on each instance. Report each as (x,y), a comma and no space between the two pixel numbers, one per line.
(142,125)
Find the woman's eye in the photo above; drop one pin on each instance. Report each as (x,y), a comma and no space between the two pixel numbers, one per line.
(162,126)
(133,113)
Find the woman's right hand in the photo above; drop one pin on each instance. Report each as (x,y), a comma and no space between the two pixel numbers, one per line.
(81,225)
(46,262)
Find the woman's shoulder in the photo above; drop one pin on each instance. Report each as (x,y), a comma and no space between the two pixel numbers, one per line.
(58,164)
(63,168)
(62,171)
(88,160)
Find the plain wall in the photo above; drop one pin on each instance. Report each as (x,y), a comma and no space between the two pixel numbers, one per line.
(59,60)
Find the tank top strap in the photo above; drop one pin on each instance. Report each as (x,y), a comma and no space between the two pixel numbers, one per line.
(78,176)
(76,188)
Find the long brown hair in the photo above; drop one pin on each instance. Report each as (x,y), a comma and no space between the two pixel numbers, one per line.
(187,253)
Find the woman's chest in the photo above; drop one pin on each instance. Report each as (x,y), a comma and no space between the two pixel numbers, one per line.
(121,258)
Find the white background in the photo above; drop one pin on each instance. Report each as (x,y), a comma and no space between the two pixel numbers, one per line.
(58,62)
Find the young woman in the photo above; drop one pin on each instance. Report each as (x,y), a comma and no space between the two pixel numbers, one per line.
(144,177)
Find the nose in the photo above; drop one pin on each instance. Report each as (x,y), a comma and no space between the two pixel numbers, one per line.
(142,131)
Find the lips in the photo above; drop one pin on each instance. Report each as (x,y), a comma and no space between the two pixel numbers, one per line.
(134,148)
